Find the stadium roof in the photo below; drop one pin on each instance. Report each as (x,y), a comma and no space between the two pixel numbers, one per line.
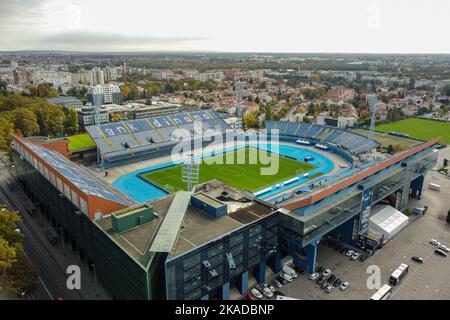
(81,178)
(118,140)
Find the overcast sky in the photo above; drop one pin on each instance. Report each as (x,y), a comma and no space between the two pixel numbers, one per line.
(374,26)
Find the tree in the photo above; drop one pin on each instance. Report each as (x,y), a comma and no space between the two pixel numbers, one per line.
(6,131)
(22,276)
(116,117)
(8,225)
(25,120)
(7,255)
(394,114)
(390,149)
(251,121)
(2,88)
(269,112)
(51,119)
(125,91)
(71,122)
(306,120)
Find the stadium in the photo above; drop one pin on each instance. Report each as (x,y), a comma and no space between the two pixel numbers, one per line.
(125,205)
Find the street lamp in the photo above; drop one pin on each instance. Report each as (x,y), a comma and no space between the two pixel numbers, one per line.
(62,240)
(92,265)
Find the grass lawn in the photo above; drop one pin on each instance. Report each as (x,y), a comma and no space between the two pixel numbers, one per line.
(80,141)
(386,139)
(236,175)
(422,129)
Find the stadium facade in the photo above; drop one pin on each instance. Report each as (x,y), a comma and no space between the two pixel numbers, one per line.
(211,241)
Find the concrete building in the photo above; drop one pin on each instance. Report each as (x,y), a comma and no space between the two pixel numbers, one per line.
(105,94)
(96,77)
(86,115)
(339,122)
(67,102)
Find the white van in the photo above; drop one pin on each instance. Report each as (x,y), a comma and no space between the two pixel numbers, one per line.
(289,271)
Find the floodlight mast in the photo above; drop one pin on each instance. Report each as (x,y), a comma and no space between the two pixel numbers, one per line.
(373,110)
(239,88)
(190,172)
(97,122)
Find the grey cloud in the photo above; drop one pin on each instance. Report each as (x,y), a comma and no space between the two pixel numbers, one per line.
(20,12)
(107,39)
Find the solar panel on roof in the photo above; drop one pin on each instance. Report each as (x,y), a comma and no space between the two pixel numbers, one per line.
(82,179)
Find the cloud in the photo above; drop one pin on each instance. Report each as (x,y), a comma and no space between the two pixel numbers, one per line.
(80,40)
(21,12)
(108,39)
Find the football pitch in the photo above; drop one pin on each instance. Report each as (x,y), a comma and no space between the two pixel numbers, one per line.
(240,176)
(80,141)
(422,129)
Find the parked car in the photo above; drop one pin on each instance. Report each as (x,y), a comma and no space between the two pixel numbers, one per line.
(443,248)
(417,259)
(299,269)
(314,276)
(324,285)
(319,269)
(349,253)
(249,296)
(281,279)
(279,293)
(52,237)
(256,293)
(288,270)
(343,250)
(320,280)
(332,278)
(329,289)
(326,272)
(287,277)
(440,252)
(277,283)
(355,256)
(434,242)
(337,282)
(268,293)
(344,286)
(270,287)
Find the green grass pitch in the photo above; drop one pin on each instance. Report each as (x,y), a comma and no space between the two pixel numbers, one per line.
(80,141)
(422,129)
(240,176)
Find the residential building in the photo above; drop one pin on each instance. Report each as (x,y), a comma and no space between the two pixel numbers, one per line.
(86,115)
(339,122)
(105,94)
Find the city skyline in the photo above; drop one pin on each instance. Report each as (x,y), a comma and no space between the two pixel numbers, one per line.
(322,26)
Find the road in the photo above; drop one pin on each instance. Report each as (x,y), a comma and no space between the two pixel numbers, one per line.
(52,278)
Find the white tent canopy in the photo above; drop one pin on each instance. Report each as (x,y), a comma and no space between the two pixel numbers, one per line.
(387,220)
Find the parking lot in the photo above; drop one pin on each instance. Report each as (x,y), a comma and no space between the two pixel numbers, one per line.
(430,280)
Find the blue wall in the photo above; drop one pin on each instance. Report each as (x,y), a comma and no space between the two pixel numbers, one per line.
(208,209)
